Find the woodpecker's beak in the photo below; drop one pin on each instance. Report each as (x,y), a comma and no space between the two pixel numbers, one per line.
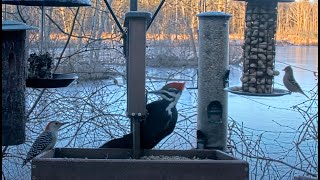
(63,123)
(156,92)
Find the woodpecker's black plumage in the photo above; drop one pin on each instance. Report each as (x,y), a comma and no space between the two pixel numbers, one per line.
(158,124)
(161,119)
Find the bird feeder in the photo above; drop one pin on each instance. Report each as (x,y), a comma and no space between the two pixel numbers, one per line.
(13,81)
(112,164)
(136,22)
(213,68)
(259,50)
(39,71)
(105,163)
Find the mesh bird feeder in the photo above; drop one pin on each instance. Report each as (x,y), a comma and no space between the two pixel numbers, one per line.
(259,49)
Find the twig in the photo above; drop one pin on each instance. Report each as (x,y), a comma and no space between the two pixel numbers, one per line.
(68,40)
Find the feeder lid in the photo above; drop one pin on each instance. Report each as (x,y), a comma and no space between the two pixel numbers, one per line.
(10,25)
(136,15)
(58,3)
(267,0)
(276,92)
(217,14)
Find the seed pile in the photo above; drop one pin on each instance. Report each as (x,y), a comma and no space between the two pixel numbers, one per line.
(162,157)
(259,47)
(40,66)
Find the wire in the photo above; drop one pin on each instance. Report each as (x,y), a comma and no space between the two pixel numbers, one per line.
(269,106)
(297,67)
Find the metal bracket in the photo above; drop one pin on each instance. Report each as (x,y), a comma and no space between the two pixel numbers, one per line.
(155,13)
(115,17)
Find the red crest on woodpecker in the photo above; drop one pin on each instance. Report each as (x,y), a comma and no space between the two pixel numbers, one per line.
(177,85)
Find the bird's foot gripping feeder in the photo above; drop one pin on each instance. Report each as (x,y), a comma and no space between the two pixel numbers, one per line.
(83,164)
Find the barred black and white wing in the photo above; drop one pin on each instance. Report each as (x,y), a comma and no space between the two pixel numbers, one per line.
(44,141)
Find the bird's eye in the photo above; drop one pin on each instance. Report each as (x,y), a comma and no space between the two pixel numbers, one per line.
(56,123)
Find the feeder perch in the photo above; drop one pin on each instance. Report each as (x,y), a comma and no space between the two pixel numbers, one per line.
(112,164)
(13,81)
(57,81)
(238,90)
(259,50)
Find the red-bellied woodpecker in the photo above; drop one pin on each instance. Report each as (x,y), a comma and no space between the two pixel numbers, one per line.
(45,141)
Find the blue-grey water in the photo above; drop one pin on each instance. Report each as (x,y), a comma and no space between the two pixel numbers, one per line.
(273,120)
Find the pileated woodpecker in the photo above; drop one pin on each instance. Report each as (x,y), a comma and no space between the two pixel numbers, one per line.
(161,119)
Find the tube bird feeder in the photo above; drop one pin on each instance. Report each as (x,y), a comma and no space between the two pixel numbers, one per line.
(213,67)
(13,81)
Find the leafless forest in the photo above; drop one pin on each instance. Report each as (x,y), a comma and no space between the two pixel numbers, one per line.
(297,22)
(87,41)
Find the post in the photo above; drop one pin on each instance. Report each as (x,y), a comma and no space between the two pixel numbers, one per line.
(133,5)
(136,22)
(213,67)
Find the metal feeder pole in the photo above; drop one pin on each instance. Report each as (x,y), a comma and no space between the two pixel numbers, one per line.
(213,68)
(133,5)
(5,12)
(136,22)
(42,35)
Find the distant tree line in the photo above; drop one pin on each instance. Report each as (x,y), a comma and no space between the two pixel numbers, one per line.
(177,20)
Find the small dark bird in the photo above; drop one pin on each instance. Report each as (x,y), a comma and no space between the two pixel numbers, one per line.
(202,140)
(161,119)
(289,81)
(226,78)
